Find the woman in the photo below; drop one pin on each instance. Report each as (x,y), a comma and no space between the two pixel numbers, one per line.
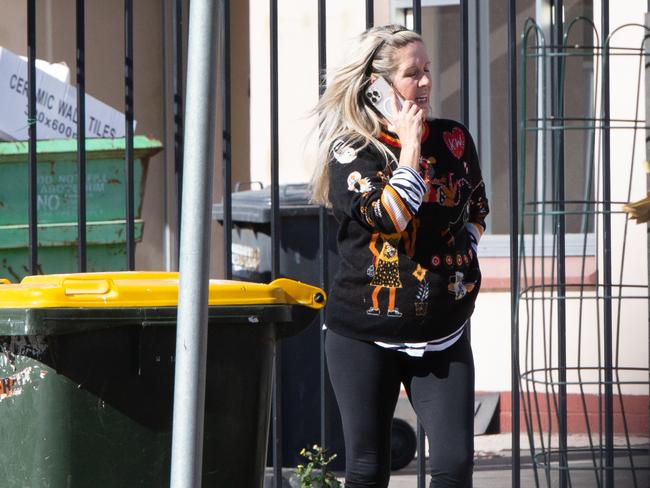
(410,202)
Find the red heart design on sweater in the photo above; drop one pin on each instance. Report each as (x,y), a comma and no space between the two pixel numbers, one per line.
(455,141)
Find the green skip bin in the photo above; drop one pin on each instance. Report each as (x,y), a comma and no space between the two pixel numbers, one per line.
(57,204)
(87,377)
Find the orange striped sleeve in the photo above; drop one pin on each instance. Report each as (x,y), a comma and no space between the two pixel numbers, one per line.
(395,208)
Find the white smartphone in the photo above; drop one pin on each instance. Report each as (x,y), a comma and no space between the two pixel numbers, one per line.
(380,94)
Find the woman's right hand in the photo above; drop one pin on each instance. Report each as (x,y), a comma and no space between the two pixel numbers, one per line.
(408,127)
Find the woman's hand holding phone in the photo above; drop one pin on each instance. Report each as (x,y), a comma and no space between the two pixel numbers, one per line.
(403,117)
(407,124)
(408,127)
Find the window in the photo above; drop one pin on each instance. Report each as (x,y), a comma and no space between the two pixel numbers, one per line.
(489,102)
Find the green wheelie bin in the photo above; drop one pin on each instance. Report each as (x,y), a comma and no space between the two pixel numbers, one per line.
(87,373)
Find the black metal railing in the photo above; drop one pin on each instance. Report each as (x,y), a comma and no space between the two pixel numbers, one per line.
(128,123)
(178,70)
(275,236)
(81,133)
(514,244)
(31,120)
(80,49)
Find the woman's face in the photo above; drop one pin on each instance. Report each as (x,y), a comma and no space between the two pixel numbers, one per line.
(412,79)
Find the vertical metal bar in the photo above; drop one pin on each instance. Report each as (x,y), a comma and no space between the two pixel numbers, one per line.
(323,227)
(275,239)
(81,136)
(421,445)
(464,84)
(322,47)
(177,67)
(543,16)
(647,155)
(607,257)
(192,332)
(475,76)
(464,62)
(417,16)
(514,232)
(370,13)
(128,120)
(484,49)
(557,93)
(32,121)
(227,142)
(166,236)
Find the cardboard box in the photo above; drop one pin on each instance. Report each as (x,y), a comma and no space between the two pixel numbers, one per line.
(56,105)
(60,71)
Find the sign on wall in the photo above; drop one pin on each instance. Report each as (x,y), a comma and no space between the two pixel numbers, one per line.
(56,106)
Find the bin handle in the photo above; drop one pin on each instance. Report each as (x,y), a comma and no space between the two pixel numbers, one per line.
(4,281)
(76,286)
(239,184)
(300,293)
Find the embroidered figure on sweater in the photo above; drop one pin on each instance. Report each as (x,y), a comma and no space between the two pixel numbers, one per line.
(421,297)
(364,212)
(428,173)
(358,184)
(409,236)
(382,177)
(458,287)
(446,191)
(385,272)
(419,273)
(455,141)
(448,232)
(376,208)
(343,153)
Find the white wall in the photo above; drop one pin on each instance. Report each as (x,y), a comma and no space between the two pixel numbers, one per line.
(491,341)
(298,79)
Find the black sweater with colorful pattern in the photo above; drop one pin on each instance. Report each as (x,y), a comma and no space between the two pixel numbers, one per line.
(406,274)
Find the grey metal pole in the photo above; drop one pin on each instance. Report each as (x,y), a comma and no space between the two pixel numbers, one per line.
(191,336)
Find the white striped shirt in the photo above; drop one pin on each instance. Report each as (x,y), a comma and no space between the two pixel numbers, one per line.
(418,349)
(410,186)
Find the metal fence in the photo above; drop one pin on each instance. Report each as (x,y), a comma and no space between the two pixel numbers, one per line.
(556,316)
(178,8)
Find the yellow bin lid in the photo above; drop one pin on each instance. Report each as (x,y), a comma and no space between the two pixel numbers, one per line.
(129,289)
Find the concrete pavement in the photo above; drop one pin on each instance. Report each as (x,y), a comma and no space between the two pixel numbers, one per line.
(493,465)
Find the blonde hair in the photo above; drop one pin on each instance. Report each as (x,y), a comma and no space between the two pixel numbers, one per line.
(342,111)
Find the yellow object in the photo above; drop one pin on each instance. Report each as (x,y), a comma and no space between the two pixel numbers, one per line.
(639,210)
(129,289)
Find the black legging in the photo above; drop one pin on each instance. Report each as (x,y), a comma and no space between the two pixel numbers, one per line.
(440,385)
